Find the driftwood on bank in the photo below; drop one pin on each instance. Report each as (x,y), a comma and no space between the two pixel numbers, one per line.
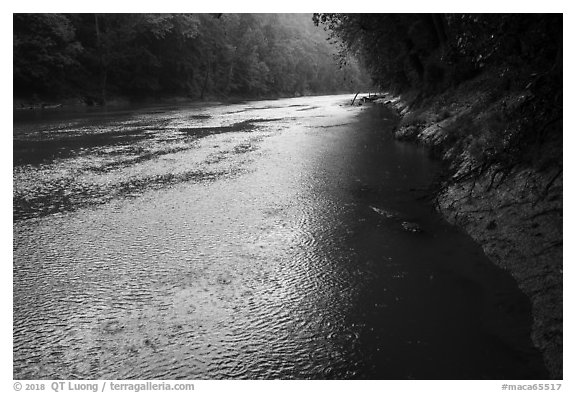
(370,98)
(354,98)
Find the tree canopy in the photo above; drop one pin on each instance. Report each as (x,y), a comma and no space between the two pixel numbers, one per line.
(196,55)
(433,51)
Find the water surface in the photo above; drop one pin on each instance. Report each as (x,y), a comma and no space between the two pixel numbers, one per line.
(272,239)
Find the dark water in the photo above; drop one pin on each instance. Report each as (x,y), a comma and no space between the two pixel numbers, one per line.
(274,239)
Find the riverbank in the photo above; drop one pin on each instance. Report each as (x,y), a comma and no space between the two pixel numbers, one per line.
(503,183)
(46,103)
(36,104)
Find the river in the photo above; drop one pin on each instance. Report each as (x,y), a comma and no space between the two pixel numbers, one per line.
(259,240)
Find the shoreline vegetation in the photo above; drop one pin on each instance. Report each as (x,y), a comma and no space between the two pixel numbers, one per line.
(103,59)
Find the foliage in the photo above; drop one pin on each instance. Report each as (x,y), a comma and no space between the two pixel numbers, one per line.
(198,55)
(431,52)
(44,47)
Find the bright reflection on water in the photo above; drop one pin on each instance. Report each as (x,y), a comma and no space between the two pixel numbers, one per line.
(259,240)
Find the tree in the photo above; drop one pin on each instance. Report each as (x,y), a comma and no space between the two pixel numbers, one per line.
(430,52)
(45,50)
(195,55)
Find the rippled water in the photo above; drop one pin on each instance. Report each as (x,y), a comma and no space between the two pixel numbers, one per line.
(273,239)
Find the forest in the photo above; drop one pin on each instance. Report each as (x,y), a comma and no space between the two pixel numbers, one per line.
(432,52)
(99,57)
